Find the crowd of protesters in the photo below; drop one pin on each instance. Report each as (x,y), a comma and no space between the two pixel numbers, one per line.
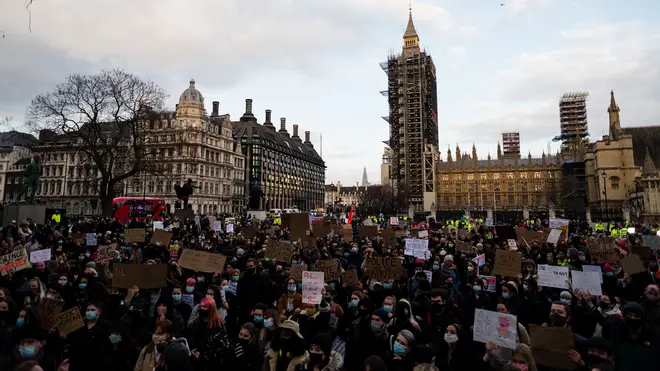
(251,316)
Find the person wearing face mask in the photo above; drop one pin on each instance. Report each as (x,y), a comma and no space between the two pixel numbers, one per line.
(322,356)
(246,355)
(151,355)
(477,298)
(121,354)
(183,308)
(207,337)
(88,344)
(404,319)
(138,322)
(34,290)
(453,351)
(510,296)
(257,285)
(288,350)
(291,301)
(651,304)
(28,349)
(609,314)
(401,344)
(165,311)
(636,344)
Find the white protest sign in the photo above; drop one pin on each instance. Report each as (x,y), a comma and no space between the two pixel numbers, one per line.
(217,225)
(422,234)
(417,248)
(312,284)
(593,268)
(90,239)
(554,235)
(229,228)
(587,281)
(551,276)
(158,225)
(429,276)
(394,220)
(494,327)
(40,256)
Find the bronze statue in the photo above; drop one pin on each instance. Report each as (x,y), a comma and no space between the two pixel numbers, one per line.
(31,176)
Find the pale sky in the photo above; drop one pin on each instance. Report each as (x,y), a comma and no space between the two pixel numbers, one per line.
(316,62)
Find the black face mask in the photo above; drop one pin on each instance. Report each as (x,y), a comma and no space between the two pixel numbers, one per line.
(437,308)
(633,324)
(558,320)
(593,360)
(316,357)
(604,306)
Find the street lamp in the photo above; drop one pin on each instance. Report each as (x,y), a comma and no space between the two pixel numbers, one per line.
(607,210)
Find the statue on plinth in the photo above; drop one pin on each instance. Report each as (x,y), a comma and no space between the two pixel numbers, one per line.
(31,177)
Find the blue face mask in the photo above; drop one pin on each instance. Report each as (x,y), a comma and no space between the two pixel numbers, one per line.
(115,339)
(176,298)
(258,319)
(609,274)
(268,323)
(354,303)
(436,267)
(87,255)
(291,288)
(91,315)
(345,255)
(506,295)
(190,289)
(387,308)
(387,286)
(399,349)
(476,288)
(27,351)
(210,296)
(82,285)
(234,278)
(20,322)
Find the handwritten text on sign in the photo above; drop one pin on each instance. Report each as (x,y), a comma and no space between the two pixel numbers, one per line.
(494,327)
(312,284)
(551,276)
(14,262)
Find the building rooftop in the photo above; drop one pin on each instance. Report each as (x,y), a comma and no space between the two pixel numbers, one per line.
(643,138)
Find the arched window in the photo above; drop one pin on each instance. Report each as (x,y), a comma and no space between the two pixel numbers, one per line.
(614,182)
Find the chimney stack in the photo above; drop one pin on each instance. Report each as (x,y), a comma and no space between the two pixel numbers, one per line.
(295,133)
(307,141)
(248,106)
(283,127)
(216,108)
(268,123)
(268,115)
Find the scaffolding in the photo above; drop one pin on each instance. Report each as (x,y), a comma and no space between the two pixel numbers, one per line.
(511,144)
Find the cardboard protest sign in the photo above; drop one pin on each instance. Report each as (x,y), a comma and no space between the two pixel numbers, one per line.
(298,224)
(602,250)
(550,346)
(526,237)
(249,232)
(350,277)
(347,232)
(507,263)
(632,264)
(279,251)
(144,276)
(495,327)
(69,321)
(330,269)
(48,309)
(136,235)
(105,253)
(162,237)
(368,231)
(297,271)
(321,228)
(308,241)
(78,237)
(14,262)
(389,237)
(384,268)
(202,261)
(643,252)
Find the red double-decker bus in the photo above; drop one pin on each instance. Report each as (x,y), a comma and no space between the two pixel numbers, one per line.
(140,208)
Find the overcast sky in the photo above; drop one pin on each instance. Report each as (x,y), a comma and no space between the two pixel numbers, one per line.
(499,68)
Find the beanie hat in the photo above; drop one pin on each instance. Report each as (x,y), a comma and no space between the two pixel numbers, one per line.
(380,312)
(177,357)
(324,341)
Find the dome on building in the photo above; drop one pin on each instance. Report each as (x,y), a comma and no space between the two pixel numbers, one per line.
(191,95)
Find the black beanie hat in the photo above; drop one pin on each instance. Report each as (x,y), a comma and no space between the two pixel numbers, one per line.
(324,341)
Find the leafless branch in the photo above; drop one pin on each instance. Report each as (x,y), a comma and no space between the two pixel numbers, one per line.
(27,4)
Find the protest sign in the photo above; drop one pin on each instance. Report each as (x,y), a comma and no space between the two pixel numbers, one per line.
(417,248)
(552,276)
(330,269)
(593,268)
(249,232)
(602,250)
(162,237)
(69,321)
(368,231)
(40,256)
(550,346)
(136,235)
(296,271)
(90,239)
(554,235)
(144,276)
(350,277)
(495,327)
(14,262)
(587,282)
(278,251)
(48,309)
(312,284)
(632,264)
(490,283)
(507,263)
(202,261)
(105,253)
(384,268)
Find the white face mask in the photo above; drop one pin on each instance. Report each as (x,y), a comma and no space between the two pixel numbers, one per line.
(451,338)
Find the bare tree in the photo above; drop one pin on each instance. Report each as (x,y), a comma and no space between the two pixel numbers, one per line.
(6,124)
(380,199)
(105,117)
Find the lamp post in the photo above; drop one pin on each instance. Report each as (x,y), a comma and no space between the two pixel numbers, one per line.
(607,210)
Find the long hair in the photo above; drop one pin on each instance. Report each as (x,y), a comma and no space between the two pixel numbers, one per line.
(214,318)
